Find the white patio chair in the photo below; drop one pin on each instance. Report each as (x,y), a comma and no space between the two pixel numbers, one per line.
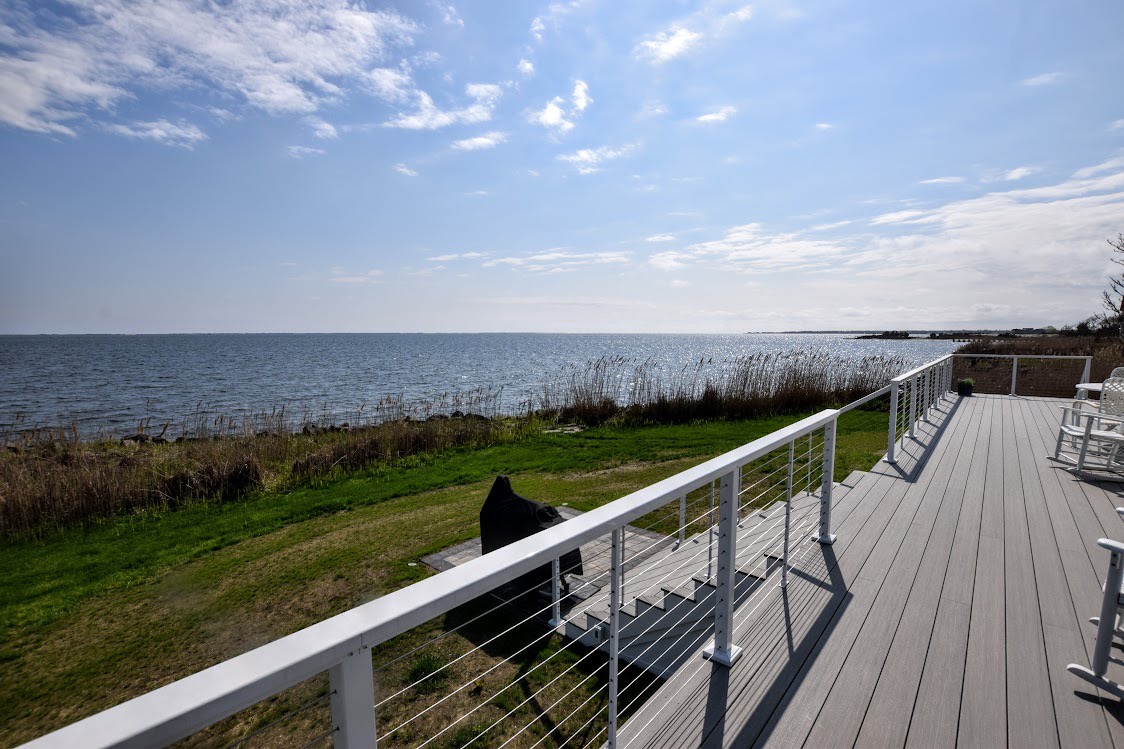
(1094,428)
(1108,623)
(1118,372)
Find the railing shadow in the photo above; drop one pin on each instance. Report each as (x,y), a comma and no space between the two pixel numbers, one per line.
(912,453)
(782,658)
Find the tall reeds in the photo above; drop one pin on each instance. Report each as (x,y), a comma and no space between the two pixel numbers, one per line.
(617,389)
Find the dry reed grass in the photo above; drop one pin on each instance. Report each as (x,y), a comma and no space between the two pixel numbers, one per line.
(617,389)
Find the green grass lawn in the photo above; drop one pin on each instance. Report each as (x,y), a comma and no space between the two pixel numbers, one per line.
(93,616)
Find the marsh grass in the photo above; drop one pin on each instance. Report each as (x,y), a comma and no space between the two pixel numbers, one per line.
(620,390)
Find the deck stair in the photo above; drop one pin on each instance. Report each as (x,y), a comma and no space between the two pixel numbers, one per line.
(668,603)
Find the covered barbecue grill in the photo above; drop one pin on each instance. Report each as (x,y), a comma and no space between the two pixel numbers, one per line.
(507,517)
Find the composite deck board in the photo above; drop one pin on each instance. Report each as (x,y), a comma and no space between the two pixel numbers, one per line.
(1081,577)
(983,708)
(936,709)
(944,615)
(901,672)
(842,715)
(1079,722)
(1030,703)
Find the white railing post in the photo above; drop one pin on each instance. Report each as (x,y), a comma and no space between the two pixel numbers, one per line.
(825,536)
(787,513)
(1088,371)
(555,594)
(1014,373)
(723,651)
(892,438)
(912,406)
(682,521)
(925,395)
(352,684)
(710,536)
(622,565)
(616,567)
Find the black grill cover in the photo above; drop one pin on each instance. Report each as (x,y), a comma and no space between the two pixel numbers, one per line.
(507,517)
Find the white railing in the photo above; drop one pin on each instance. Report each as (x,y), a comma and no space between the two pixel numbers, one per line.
(914,394)
(774,499)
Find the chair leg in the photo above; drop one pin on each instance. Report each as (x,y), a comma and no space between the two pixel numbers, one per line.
(1106,629)
(1084,445)
(1058,448)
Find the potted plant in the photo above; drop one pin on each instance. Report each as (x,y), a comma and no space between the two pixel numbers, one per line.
(965,386)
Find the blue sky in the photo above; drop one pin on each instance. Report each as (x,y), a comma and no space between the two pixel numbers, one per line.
(177,166)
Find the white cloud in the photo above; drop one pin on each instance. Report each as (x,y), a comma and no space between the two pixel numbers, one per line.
(938,265)
(280,59)
(537,29)
(449,15)
(687,34)
(942,181)
(300,152)
(556,117)
(427,116)
(480,142)
(667,45)
(478,194)
(832,225)
(1045,79)
(1020,172)
(898,217)
(181,135)
(370,277)
(390,84)
(323,130)
(741,15)
(651,109)
(456,256)
(552,116)
(719,115)
(405,170)
(580,96)
(823,126)
(558,260)
(526,67)
(1116,125)
(661,238)
(589,160)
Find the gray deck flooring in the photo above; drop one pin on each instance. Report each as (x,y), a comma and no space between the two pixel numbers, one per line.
(945,613)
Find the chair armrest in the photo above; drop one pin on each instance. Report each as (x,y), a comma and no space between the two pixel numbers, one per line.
(1082,413)
(1108,543)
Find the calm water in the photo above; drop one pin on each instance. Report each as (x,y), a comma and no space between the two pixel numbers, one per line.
(112,382)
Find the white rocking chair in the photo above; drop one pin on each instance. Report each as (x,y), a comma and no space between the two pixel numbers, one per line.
(1094,428)
(1108,623)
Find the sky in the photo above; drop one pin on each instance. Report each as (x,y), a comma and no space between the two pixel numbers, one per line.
(586,166)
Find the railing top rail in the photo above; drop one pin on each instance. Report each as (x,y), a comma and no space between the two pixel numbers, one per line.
(183,707)
(865,399)
(918,370)
(1024,356)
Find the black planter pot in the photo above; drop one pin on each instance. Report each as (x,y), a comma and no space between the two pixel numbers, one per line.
(964,388)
